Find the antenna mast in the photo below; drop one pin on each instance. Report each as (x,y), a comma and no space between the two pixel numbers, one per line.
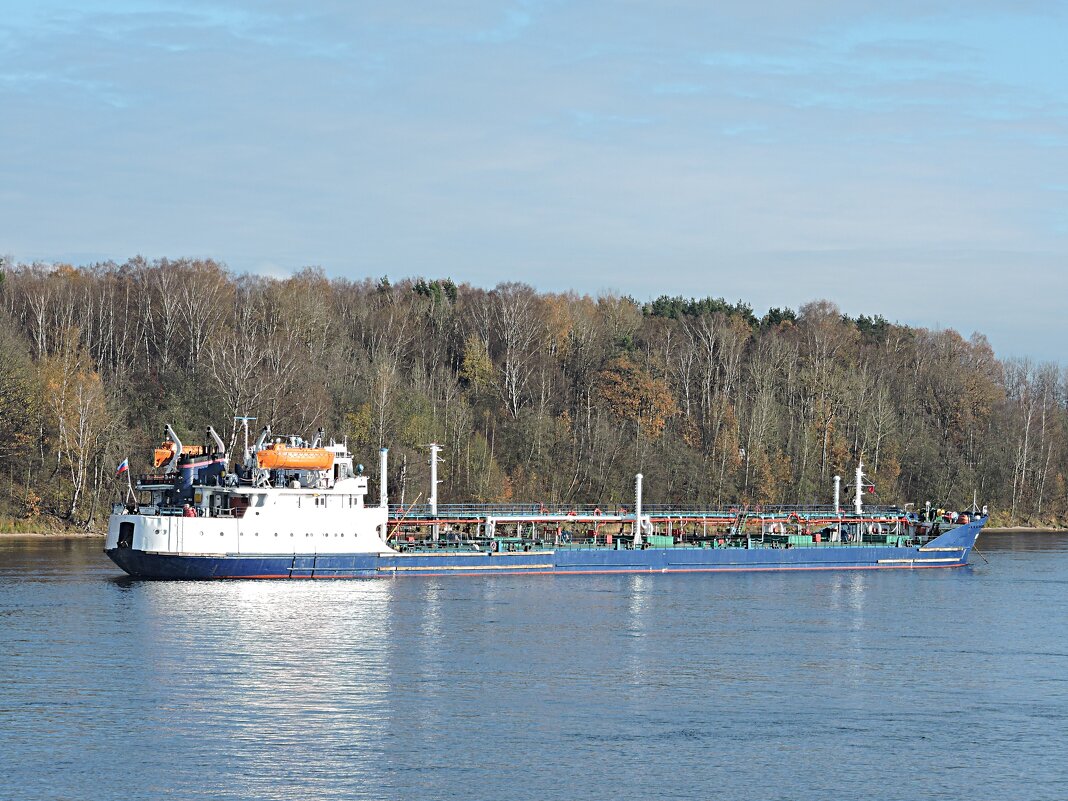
(245,421)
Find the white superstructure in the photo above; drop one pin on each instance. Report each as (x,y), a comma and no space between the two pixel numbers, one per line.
(263,508)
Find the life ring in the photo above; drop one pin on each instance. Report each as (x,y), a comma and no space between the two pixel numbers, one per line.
(773,528)
(572,513)
(597,512)
(494,546)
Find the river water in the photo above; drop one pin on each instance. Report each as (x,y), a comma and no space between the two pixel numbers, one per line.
(886,685)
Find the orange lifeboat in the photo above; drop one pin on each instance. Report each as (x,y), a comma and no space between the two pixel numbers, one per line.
(165,452)
(280,456)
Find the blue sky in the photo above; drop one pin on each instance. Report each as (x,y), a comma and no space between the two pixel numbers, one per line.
(901,158)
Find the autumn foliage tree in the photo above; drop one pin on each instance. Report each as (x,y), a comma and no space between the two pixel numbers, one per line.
(534,396)
(631,395)
(77,419)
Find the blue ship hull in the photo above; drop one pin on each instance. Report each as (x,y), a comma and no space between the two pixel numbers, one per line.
(949,550)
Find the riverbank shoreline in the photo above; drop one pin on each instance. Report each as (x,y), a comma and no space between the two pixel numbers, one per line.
(1024,530)
(57,535)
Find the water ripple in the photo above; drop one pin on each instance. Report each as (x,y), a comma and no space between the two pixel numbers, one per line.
(896,685)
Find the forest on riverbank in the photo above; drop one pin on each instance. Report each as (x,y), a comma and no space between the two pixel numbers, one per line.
(533,396)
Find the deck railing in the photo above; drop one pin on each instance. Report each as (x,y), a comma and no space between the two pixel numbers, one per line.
(473,511)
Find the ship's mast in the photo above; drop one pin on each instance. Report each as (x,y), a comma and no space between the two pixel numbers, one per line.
(434,460)
(858,502)
(383,492)
(638,510)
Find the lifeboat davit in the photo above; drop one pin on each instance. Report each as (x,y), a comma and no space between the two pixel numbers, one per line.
(165,452)
(279,456)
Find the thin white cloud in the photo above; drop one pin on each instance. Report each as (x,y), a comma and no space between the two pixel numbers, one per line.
(673,148)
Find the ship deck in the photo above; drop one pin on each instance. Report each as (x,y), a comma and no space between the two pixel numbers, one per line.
(473,528)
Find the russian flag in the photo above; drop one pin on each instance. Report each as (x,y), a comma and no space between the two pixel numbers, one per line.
(124,465)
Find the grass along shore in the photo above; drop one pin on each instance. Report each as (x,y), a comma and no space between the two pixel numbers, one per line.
(52,535)
(44,526)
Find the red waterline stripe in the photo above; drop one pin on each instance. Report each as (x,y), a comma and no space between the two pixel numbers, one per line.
(387,573)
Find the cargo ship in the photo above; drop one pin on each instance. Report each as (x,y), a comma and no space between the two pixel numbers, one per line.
(298,509)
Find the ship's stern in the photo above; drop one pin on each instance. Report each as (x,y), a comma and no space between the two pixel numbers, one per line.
(122,534)
(127,540)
